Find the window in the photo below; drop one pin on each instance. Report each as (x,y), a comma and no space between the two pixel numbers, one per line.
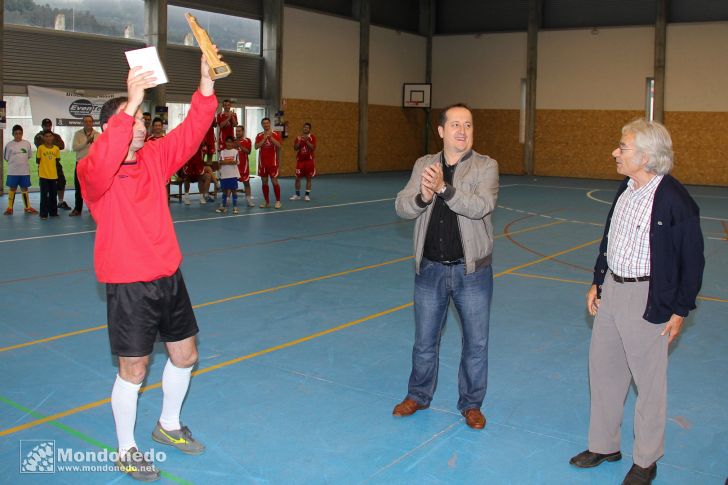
(103,17)
(229,33)
(650,99)
(251,121)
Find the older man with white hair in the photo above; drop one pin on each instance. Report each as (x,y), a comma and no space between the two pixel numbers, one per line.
(646,279)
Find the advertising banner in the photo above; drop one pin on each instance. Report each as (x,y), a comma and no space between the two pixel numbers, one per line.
(65,108)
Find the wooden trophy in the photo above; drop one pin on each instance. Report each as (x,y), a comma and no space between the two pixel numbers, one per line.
(218,68)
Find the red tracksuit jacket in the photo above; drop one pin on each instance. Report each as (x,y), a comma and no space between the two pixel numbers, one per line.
(135,239)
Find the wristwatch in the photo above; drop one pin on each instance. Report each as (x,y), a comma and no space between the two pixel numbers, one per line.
(442,190)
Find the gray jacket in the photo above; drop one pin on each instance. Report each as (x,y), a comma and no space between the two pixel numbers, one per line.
(472,197)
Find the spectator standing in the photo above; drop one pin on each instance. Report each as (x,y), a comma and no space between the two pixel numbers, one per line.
(305,145)
(47,125)
(48,158)
(81,144)
(17,152)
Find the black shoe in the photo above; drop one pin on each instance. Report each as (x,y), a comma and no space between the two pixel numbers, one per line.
(587,459)
(640,476)
(64,206)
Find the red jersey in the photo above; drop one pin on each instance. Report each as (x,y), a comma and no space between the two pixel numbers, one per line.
(304,153)
(268,152)
(209,141)
(243,143)
(135,239)
(243,165)
(227,130)
(194,166)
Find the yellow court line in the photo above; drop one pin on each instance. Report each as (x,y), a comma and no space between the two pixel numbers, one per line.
(546,258)
(259,292)
(94,404)
(227,363)
(551,278)
(50,339)
(231,298)
(588,283)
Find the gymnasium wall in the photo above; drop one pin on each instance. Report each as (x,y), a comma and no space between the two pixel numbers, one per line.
(327,95)
(590,83)
(696,101)
(484,71)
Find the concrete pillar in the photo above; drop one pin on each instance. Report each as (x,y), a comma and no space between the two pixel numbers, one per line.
(2,80)
(364,19)
(660,43)
(155,19)
(534,23)
(273,54)
(427,28)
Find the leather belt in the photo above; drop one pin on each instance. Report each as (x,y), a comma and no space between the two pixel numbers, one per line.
(620,279)
(452,263)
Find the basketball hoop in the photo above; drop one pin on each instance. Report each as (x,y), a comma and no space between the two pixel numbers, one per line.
(416,95)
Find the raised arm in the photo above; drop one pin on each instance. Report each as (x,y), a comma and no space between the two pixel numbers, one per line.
(96,171)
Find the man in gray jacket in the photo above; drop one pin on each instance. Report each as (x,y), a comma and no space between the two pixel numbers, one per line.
(451,195)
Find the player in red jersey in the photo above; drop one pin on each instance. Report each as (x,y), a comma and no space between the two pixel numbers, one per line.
(304,145)
(211,167)
(243,145)
(137,255)
(268,142)
(226,122)
(196,171)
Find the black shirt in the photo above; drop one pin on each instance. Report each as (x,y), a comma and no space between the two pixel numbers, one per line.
(442,241)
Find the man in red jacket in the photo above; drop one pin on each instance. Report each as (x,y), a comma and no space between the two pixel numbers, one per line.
(137,255)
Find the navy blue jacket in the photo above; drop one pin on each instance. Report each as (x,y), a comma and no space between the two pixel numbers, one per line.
(676,252)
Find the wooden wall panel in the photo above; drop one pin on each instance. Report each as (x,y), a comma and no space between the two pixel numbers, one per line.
(396,137)
(700,142)
(579,143)
(496,135)
(335,125)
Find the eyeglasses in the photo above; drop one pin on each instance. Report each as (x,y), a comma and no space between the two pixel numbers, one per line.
(624,148)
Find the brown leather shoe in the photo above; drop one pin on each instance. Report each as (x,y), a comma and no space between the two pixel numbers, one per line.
(407,407)
(474,418)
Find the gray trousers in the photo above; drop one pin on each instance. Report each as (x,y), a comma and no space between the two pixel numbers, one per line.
(624,346)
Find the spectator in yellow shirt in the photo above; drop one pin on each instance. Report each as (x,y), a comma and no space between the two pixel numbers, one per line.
(47,156)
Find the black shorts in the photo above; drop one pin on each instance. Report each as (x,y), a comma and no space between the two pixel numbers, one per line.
(61,177)
(138,311)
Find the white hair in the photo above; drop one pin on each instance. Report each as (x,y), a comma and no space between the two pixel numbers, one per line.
(652,139)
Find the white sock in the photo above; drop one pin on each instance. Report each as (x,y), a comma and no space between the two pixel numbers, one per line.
(175,382)
(124,397)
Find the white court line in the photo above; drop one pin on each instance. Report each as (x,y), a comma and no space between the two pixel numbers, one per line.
(554,187)
(589,194)
(202,219)
(545,216)
(609,203)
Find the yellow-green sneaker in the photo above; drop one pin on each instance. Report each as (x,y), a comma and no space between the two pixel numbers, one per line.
(136,466)
(180,438)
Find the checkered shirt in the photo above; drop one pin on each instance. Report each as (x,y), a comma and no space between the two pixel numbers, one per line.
(628,247)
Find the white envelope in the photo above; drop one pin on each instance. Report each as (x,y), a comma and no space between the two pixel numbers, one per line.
(148,59)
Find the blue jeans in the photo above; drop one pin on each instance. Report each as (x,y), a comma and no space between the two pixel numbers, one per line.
(434,287)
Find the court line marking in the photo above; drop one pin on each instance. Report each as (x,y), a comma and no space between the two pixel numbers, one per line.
(221,249)
(84,437)
(230,298)
(256,292)
(213,218)
(589,194)
(101,402)
(588,283)
(547,258)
